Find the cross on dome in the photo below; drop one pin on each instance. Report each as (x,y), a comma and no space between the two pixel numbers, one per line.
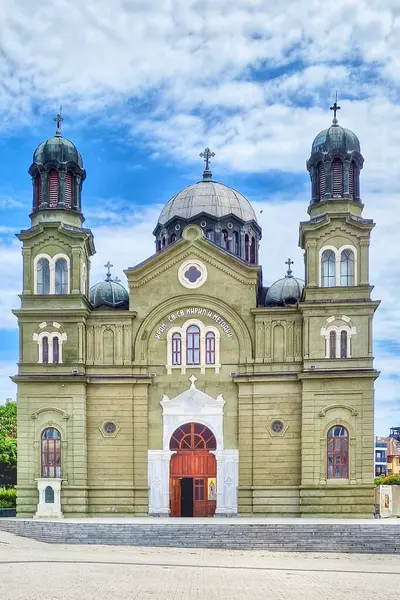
(289,262)
(58,119)
(335,108)
(108,265)
(207,154)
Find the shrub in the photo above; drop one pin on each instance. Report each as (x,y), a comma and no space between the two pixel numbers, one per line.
(8,498)
(387,480)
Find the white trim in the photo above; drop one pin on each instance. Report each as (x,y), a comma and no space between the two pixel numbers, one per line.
(38,337)
(346,326)
(52,267)
(83,279)
(204,329)
(186,265)
(338,255)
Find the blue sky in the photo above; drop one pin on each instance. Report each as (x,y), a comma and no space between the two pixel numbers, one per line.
(146,85)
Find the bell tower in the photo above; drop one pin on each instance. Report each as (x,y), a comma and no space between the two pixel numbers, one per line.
(337,310)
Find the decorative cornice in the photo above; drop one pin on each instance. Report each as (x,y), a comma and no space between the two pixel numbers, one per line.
(351,409)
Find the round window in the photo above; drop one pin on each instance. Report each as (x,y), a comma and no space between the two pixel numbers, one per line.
(109,428)
(192,274)
(277,426)
(177,227)
(230,225)
(203,223)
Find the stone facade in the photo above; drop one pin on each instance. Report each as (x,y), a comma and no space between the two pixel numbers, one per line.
(108,396)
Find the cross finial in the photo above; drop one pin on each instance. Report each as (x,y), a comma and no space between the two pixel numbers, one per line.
(207,154)
(192,380)
(289,262)
(108,265)
(58,118)
(116,279)
(335,108)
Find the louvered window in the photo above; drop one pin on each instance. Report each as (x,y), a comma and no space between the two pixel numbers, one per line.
(53,189)
(321,181)
(39,190)
(351,180)
(68,190)
(337,178)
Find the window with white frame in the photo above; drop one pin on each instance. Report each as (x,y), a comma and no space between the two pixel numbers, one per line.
(338,332)
(338,266)
(51,274)
(193,345)
(50,347)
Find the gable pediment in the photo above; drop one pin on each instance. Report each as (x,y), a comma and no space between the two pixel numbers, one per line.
(192,402)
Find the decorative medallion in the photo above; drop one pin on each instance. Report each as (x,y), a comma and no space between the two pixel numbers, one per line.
(277,426)
(192,274)
(109,429)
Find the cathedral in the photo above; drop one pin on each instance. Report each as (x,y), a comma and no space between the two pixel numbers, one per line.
(201,388)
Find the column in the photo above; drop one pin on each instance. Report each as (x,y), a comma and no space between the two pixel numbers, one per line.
(227,482)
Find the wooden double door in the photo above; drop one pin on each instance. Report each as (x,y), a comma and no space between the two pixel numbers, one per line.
(193,484)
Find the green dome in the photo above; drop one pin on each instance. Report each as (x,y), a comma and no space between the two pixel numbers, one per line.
(109,293)
(285,291)
(57,149)
(335,138)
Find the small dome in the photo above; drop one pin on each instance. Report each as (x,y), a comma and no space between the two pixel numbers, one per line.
(215,199)
(109,293)
(57,149)
(285,291)
(335,138)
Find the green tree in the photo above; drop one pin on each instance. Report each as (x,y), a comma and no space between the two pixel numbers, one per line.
(8,445)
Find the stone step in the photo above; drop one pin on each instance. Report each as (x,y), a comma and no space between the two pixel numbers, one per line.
(382,538)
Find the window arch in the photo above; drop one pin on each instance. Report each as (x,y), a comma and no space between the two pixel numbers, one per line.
(173,238)
(347,268)
(45,350)
(69,190)
(246,247)
(53,189)
(193,436)
(321,181)
(337,178)
(235,243)
(328,268)
(210,348)
(43,277)
(51,453)
(193,345)
(176,349)
(332,344)
(338,453)
(61,276)
(253,250)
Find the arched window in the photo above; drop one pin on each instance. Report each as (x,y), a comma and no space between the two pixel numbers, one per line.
(328,268)
(225,239)
(352,186)
(56,351)
(347,268)
(332,344)
(51,453)
(210,348)
(163,242)
(53,189)
(246,247)
(337,178)
(173,238)
(61,280)
(338,453)
(210,235)
(69,190)
(158,245)
(193,436)
(193,345)
(235,243)
(253,250)
(176,349)
(45,350)
(343,344)
(43,277)
(38,183)
(321,181)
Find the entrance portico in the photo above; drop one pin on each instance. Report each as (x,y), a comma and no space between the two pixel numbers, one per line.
(198,409)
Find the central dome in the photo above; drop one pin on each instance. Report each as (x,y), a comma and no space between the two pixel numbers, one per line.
(215,199)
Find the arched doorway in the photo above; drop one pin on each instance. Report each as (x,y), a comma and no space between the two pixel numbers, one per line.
(193,471)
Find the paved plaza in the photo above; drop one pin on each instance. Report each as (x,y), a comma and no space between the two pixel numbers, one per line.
(37,571)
